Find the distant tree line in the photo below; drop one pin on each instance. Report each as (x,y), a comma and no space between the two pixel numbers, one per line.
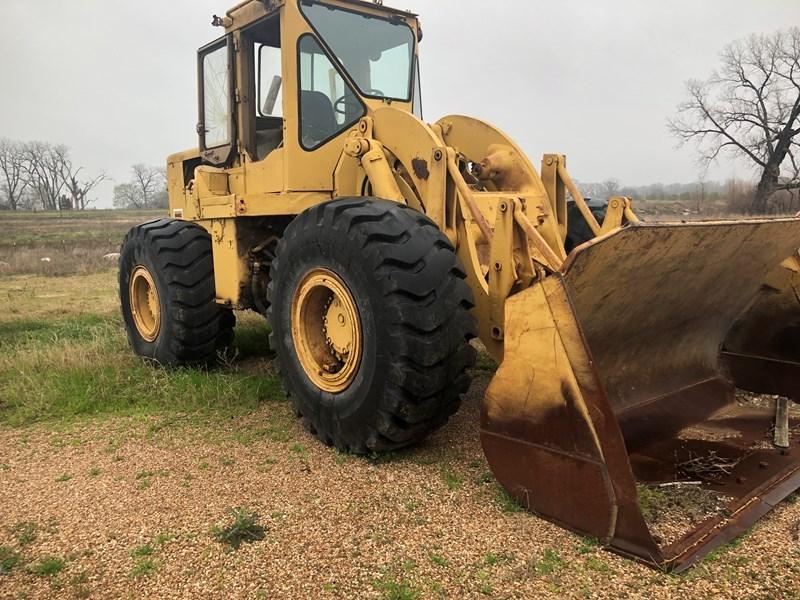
(734,195)
(42,176)
(147,188)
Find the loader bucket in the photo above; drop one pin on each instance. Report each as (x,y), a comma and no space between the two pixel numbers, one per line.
(615,382)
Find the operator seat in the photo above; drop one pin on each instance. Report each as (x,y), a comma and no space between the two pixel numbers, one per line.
(317,117)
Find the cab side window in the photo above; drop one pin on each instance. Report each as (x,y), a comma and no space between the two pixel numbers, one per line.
(328,104)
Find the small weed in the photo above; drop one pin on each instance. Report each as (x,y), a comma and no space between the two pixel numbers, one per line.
(226,461)
(438,560)
(484,478)
(549,563)
(143,567)
(48,566)
(595,564)
(244,528)
(163,538)
(491,559)
(24,531)
(64,477)
(386,458)
(485,363)
(412,504)
(203,466)
(94,472)
(588,545)
(143,484)
(300,451)
(505,502)
(452,480)
(484,585)
(8,559)
(340,457)
(78,582)
(393,588)
(144,550)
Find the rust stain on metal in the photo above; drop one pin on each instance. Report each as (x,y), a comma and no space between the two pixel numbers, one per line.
(420,166)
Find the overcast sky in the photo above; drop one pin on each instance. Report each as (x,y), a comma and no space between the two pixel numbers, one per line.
(593,79)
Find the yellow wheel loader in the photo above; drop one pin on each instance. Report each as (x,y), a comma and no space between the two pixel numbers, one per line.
(377,245)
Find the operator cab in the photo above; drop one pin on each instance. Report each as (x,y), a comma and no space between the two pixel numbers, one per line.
(322,65)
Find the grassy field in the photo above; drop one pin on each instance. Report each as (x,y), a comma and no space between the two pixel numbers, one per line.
(118,479)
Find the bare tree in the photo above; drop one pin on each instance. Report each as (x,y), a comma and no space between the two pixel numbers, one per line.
(150,180)
(146,189)
(750,107)
(47,168)
(79,189)
(609,188)
(12,172)
(700,192)
(127,195)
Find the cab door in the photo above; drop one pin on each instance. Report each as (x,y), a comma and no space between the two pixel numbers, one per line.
(216,125)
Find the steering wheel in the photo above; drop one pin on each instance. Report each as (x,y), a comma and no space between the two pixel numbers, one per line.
(349,104)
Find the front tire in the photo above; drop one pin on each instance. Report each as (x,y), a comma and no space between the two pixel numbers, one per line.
(370,324)
(167,294)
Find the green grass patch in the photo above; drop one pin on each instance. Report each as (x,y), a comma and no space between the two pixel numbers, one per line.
(547,564)
(8,559)
(48,566)
(252,341)
(143,550)
(244,527)
(451,479)
(143,567)
(595,564)
(505,502)
(24,532)
(395,584)
(438,559)
(81,328)
(82,366)
(588,545)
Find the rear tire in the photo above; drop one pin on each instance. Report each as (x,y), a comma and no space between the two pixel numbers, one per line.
(400,276)
(167,294)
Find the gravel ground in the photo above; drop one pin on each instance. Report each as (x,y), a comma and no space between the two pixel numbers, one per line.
(425,523)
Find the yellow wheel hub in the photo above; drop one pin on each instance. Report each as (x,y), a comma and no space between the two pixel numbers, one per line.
(326,329)
(145,305)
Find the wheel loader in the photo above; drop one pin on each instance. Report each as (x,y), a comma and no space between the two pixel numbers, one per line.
(378,245)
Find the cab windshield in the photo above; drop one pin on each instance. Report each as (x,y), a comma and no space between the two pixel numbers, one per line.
(376,52)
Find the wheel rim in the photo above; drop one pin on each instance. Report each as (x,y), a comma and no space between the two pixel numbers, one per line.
(145,304)
(326,329)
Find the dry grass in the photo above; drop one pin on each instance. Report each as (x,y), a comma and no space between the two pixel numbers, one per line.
(59,244)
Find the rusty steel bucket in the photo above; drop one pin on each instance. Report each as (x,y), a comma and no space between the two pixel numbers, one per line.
(622,369)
